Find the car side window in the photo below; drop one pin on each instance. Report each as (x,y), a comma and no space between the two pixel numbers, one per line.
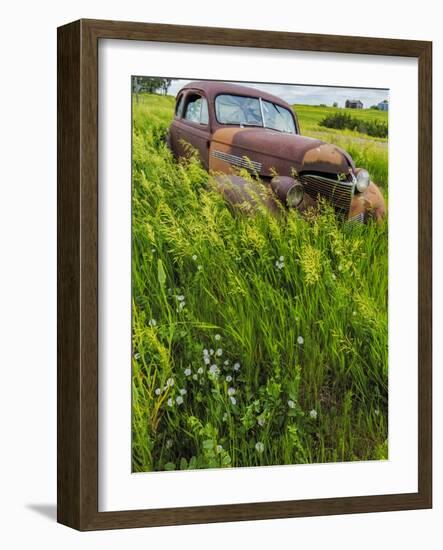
(197,110)
(179,107)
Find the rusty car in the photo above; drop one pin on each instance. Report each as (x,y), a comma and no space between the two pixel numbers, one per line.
(234,127)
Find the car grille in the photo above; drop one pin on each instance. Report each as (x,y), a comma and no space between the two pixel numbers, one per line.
(241,162)
(339,193)
(358,218)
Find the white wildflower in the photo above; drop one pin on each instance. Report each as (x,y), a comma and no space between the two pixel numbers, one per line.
(205,352)
(217,337)
(291,404)
(169,443)
(180,298)
(225,417)
(231,391)
(153,250)
(170,402)
(219,449)
(158,391)
(300,340)
(188,372)
(261,421)
(313,414)
(219,352)
(236,366)
(211,352)
(199,267)
(226,363)
(194,377)
(282,259)
(207,360)
(170,382)
(183,391)
(259,447)
(152,322)
(213,369)
(181,305)
(194,257)
(233,400)
(229,378)
(354,313)
(137,356)
(334,276)
(179,399)
(200,370)
(376,412)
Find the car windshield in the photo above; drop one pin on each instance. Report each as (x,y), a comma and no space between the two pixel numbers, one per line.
(278,118)
(246,111)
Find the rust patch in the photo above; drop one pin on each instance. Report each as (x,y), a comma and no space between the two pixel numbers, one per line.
(370,203)
(325,157)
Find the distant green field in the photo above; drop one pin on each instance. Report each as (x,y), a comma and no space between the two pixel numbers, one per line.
(256,341)
(310,116)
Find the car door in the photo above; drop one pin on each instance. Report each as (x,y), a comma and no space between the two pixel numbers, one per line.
(193,126)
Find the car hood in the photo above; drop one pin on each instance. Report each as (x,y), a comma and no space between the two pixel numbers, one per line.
(277,151)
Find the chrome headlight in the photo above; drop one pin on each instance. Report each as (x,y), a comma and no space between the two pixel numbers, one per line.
(363,179)
(295,195)
(288,190)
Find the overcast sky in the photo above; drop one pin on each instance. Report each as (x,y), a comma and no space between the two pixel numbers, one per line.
(309,95)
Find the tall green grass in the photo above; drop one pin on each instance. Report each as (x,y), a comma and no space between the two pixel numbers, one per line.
(256,340)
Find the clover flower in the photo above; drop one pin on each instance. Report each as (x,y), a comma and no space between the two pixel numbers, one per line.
(200,370)
(226,363)
(291,404)
(180,298)
(188,372)
(158,391)
(170,402)
(169,443)
(217,337)
(183,391)
(199,267)
(231,391)
(229,378)
(207,360)
(170,382)
(313,414)
(194,257)
(194,377)
(179,399)
(211,352)
(152,322)
(300,340)
(236,366)
(233,400)
(261,421)
(219,352)
(259,447)
(205,352)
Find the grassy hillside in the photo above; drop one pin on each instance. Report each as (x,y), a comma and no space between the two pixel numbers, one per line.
(255,341)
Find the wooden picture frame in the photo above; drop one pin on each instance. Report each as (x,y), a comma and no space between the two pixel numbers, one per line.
(77,456)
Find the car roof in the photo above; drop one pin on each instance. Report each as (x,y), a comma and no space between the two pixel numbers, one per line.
(213,88)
